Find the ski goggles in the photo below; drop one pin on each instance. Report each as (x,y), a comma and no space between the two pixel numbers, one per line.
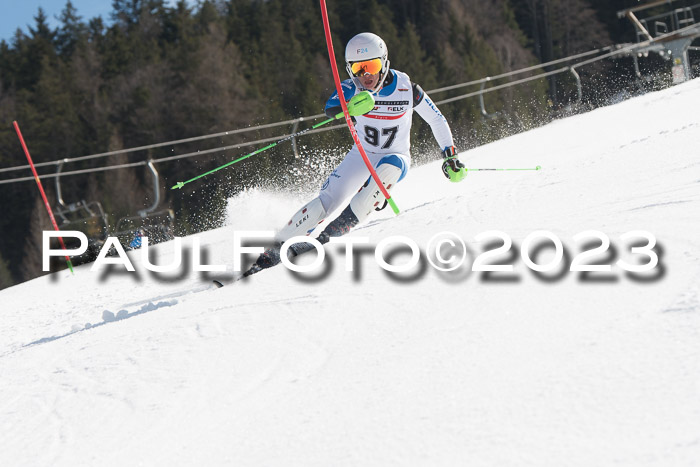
(367,67)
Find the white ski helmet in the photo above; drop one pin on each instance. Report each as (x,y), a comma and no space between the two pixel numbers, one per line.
(366,46)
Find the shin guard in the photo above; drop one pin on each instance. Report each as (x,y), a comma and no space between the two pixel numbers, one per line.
(370,197)
(304,221)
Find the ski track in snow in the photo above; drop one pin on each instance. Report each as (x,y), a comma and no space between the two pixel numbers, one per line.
(367,368)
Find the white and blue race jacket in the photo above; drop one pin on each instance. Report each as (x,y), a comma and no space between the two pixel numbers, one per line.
(386,129)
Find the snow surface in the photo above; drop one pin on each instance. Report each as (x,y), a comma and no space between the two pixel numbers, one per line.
(373,369)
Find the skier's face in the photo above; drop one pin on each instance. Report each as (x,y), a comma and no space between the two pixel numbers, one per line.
(370,81)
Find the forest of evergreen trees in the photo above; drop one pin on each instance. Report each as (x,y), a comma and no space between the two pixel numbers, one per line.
(152,73)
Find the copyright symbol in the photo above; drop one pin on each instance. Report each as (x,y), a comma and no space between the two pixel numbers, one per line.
(446,251)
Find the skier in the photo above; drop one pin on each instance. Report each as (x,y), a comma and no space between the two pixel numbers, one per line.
(385,134)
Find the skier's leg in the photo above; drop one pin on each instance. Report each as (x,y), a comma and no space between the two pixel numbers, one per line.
(304,221)
(339,185)
(342,183)
(390,169)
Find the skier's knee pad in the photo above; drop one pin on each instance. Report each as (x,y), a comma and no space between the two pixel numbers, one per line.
(304,221)
(390,170)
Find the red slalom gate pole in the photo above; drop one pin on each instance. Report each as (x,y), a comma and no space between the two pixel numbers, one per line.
(43,194)
(348,120)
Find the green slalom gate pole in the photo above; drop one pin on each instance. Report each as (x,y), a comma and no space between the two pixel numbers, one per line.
(360,104)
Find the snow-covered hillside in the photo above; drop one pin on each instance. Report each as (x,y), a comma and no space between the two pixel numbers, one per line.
(416,368)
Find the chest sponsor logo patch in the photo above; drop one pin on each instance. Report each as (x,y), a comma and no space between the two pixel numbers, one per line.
(391,103)
(388,110)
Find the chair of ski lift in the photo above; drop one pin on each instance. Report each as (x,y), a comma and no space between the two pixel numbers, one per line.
(157,225)
(641,36)
(87,217)
(684,17)
(484,113)
(500,118)
(660,27)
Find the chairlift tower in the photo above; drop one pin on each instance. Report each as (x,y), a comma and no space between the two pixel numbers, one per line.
(669,34)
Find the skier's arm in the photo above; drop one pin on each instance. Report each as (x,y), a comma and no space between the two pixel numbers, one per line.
(333,107)
(451,166)
(431,114)
(331,112)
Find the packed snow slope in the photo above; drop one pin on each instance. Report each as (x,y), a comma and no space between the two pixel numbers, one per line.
(416,368)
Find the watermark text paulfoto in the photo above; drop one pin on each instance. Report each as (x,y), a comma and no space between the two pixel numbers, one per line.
(491,251)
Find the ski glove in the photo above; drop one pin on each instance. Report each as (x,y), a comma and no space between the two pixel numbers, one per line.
(360,104)
(451,166)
